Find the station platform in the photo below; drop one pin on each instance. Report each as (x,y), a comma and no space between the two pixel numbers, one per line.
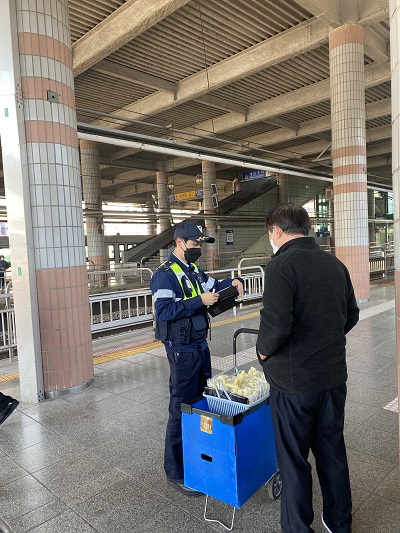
(93,462)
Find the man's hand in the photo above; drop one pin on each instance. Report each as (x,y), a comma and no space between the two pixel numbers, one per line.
(263,357)
(209,298)
(239,285)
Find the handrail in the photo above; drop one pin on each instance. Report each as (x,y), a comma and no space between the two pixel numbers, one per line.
(247,258)
(100,278)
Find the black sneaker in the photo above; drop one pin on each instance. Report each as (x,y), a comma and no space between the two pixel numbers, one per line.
(8,409)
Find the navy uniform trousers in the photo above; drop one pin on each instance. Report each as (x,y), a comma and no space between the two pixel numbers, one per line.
(304,422)
(189,371)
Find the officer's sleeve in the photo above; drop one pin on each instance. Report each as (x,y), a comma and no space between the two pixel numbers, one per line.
(277,312)
(212,284)
(167,305)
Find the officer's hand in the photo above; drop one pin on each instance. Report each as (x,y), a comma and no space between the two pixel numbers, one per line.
(239,285)
(209,298)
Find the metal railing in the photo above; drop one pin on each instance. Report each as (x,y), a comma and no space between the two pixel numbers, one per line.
(118,309)
(8,335)
(117,276)
(115,310)
(381,260)
(122,309)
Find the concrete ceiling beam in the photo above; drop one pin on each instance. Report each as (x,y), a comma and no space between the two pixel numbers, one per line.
(374,110)
(127,22)
(326,10)
(221,103)
(134,189)
(297,40)
(376,46)
(372,11)
(130,74)
(124,153)
(374,74)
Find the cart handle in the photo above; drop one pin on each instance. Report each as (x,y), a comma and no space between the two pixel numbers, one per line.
(235,336)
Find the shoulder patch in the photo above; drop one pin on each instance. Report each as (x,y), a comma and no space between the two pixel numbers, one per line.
(166,265)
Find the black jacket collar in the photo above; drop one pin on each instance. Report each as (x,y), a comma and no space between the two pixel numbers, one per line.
(300,242)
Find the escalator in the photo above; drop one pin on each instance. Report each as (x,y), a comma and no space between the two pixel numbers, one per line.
(250,191)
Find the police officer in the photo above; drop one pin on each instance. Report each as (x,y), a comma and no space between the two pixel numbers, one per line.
(181,294)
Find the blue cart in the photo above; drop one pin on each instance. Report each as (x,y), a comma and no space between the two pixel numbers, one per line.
(229,456)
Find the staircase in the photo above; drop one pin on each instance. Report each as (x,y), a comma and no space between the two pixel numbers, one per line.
(250,191)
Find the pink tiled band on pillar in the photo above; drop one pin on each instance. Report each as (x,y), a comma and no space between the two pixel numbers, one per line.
(346,34)
(354,257)
(36,88)
(64,327)
(349,187)
(35,44)
(38,131)
(56,196)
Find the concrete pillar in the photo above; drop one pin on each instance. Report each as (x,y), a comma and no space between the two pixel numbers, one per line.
(283,188)
(44,196)
(95,239)
(394,17)
(163,208)
(162,199)
(346,52)
(211,228)
(371,215)
(151,224)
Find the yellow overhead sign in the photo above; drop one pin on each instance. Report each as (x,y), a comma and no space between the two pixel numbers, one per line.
(185,195)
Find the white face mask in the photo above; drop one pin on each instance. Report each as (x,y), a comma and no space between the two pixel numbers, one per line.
(274,247)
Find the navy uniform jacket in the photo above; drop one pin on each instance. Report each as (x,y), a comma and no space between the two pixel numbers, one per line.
(171,307)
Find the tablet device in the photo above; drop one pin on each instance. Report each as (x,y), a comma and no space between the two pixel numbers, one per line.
(226,300)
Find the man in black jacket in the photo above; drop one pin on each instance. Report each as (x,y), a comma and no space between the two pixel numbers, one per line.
(308,307)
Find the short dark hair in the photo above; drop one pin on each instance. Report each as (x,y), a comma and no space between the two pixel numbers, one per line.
(291,218)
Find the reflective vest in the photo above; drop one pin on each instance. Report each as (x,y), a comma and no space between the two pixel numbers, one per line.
(189,290)
(189,329)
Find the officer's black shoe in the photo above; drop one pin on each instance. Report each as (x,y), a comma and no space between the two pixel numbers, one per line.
(8,408)
(179,485)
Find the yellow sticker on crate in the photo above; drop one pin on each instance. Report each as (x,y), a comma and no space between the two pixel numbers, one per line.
(206,424)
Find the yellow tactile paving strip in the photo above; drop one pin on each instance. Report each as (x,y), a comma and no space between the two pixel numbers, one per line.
(139,349)
(9,376)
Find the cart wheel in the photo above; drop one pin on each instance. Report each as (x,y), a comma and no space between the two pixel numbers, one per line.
(274,486)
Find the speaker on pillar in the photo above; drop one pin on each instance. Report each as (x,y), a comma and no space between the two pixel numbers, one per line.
(214,200)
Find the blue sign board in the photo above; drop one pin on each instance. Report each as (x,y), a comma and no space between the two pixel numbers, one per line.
(254,175)
(229,237)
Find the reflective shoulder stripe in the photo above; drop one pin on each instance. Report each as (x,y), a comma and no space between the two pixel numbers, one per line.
(209,285)
(164,293)
(176,269)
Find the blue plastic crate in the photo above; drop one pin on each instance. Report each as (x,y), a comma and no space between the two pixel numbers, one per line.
(228,457)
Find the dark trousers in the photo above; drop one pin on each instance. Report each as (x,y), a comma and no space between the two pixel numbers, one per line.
(189,373)
(304,422)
